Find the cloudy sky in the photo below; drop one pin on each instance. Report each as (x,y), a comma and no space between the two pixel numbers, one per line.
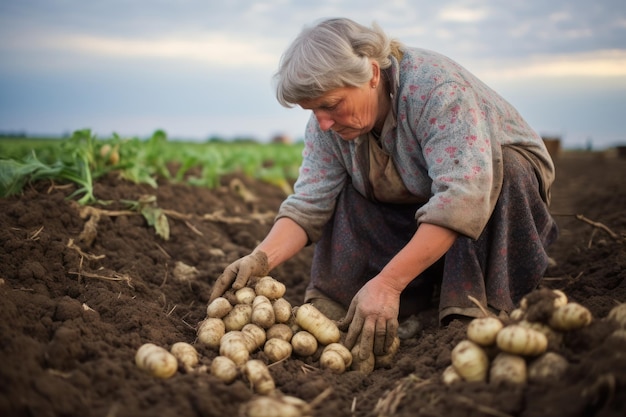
(201,68)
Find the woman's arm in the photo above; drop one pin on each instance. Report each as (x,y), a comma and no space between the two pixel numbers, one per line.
(284,240)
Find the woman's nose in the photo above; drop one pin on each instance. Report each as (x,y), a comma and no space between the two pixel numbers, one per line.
(324,120)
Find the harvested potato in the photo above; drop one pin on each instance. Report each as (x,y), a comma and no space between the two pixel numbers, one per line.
(275,406)
(366,365)
(256,333)
(224,369)
(280,331)
(277,349)
(304,343)
(258,374)
(282,310)
(507,367)
(618,315)
(309,318)
(245,295)
(450,375)
(235,346)
(270,288)
(186,354)
(470,361)
(156,361)
(238,317)
(262,312)
(571,316)
(218,308)
(521,340)
(554,337)
(211,331)
(549,366)
(343,351)
(484,330)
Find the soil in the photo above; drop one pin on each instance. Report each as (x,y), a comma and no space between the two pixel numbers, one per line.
(75,309)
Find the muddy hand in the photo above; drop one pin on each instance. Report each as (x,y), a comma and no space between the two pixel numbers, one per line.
(239,272)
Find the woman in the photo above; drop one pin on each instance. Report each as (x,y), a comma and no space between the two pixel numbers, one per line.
(414,173)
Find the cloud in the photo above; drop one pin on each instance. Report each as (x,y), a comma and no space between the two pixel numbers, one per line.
(461,14)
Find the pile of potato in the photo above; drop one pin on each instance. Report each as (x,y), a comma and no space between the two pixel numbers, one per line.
(523,347)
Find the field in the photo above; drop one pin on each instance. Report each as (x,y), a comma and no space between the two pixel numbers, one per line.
(77,302)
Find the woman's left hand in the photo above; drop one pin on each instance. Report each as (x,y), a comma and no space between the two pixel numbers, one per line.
(373,318)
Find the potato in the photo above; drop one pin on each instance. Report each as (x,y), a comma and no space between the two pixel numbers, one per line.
(156,360)
(257,333)
(554,337)
(280,331)
(365,366)
(245,295)
(238,317)
(470,361)
(275,406)
(549,366)
(484,330)
(218,308)
(262,312)
(277,349)
(224,369)
(342,351)
(304,343)
(186,354)
(507,367)
(270,288)
(234,346)
(282,310)
(450,376)
(521,340)
(618,315)
(258,374)
(386,360)
(571,316)
(210,332)
(309,318)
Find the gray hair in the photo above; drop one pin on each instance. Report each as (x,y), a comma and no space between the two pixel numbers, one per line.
(332,54)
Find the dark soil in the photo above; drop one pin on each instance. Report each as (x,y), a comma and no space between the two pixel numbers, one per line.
(72,317)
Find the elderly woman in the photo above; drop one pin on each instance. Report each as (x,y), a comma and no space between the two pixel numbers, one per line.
(415,176)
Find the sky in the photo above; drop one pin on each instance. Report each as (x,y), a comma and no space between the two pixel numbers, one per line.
(203,68)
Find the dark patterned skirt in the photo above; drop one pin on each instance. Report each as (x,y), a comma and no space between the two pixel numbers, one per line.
(506,261)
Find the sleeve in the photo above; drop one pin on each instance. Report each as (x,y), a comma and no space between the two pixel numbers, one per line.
(464,161)
(321,178)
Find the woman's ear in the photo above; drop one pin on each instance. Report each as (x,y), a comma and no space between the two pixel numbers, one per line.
(375,74)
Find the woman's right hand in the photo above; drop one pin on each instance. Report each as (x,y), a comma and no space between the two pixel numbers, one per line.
(237,274)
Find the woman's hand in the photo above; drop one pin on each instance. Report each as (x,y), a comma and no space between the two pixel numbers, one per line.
(239,272)
(372,318)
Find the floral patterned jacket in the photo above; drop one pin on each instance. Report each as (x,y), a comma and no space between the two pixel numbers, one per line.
(444,136)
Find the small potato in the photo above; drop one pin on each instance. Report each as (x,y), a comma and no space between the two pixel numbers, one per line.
(520,340)
(571,316)
(332,361)
(186,354)
(156,361)
(554,337)
(387,360)
(210,332)
(365,366)
(224,369)
(309,318)
(282,310)
(275,406)
(258,374)
(245,295)
(280,331)
(470,361)
(270,288)
(234,346)
(450,376)
(484,330)
(257,333)
(618,315)
(218,308)
(304,343)
(277,349)
(262,312)
(238,317)
(507,367)
(549,366)
(342,351)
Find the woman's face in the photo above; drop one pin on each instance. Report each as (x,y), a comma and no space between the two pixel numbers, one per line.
(347,111)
